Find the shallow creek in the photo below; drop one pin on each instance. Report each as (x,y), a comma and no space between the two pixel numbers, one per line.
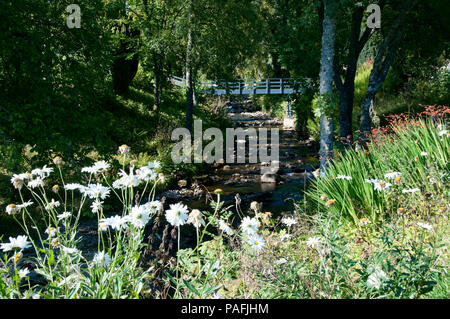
(297,161)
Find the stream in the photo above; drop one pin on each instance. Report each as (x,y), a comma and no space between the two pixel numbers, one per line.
(298,159)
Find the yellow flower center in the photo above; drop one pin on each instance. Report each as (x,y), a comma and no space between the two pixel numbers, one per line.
(17,257)
(11,205)
(256,242)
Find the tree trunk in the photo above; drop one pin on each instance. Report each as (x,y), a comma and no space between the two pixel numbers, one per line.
(346,89)
(124,70)
(326,80)
(381,66)
(189,82)
(159,76)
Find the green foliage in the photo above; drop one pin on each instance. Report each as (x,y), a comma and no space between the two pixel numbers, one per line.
(416,150)
(325,104)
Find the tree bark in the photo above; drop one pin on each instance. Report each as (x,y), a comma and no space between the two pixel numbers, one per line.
(189,81)
(346,89)
(157,90)
(124,70)
(326,80)
(381,66)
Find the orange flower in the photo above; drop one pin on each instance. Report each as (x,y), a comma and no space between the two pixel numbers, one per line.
(330,203)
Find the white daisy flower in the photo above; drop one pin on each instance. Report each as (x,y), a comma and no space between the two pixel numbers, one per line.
(90,169)
(115,222)
(23,272)
(392,175)
(102,166)
(382,186)
(249,225)
(42,172)
(127,180)
(257,242)
(177,214)
(412,190)
(20,242)
(11,209)
(103,226)
(36,183)
(254,206)
(285,237)
(102,259)
(52,205)
(196,218)
(425,226)
(313,242)
(124,149)
(147,174)
(95,191)
(223,226)
(74,186)
(139,216)
(364,222)
(64,215)
(281,261)
(96,206)
(51,231)
(424,154)
(154,164)
(289,221)
(69,250)
(25,205)
(19,179)
(154,206)
(376,279)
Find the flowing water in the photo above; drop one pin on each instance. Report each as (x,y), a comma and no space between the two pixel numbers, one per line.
(297,162)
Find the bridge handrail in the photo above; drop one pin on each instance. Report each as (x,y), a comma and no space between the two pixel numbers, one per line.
(247,86)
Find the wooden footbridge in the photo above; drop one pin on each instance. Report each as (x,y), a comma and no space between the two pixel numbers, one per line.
(244,87)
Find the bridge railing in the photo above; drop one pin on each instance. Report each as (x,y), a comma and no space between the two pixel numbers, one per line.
(246,86)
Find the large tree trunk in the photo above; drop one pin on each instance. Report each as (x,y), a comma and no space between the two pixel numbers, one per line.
(381,66)
(346,89)
(189,81)
(326,80)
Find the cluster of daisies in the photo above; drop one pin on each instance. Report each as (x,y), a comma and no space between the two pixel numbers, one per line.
(178,215)
(138,216)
